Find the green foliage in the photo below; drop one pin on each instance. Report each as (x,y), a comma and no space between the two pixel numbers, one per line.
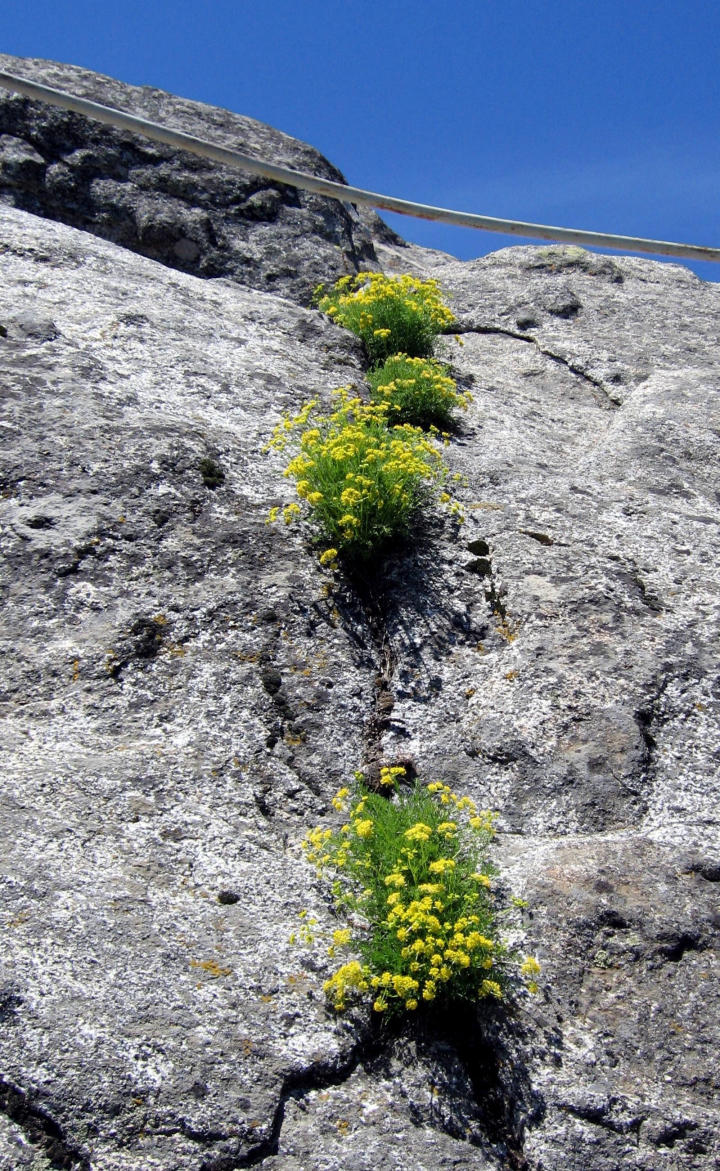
(391,315)
(361,480)
(411,876)
(416,390)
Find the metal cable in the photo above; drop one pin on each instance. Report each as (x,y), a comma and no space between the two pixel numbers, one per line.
(340,191)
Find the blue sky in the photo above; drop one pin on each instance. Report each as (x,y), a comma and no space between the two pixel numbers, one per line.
(603,116)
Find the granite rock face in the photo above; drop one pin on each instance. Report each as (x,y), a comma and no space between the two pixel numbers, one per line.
(189,214)
(183,689)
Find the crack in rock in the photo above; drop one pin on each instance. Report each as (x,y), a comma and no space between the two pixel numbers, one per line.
(480,1095)
(608,400)
(41,1129)
(297,1085)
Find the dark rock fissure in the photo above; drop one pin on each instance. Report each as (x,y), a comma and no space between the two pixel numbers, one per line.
(41,1130)
(504,1115)
(710,871)
(675,949)
(501,1091)
(318,1076)
(608,400)
(648,719)
(369,592)
(503,1102)
(675,1132)
(600,1115)
(483,567)
(212,474)
(541,538)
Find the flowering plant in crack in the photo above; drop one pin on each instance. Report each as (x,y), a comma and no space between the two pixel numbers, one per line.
(411,878)
(418,391)
(361,481)
(391,315)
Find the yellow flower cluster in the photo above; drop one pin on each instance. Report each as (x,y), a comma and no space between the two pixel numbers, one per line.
(441,865)
(391,984)
(361,478)
(305,933)
(366,468)
(390,314)
(389,775)
(530,968)
(447,828)
(416,390)
(436,942)
(416,888)
(317,846)
(352,977)
(418,832)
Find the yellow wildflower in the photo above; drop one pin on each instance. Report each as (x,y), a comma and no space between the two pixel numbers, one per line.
(441,865)
(447,828)
(389,775)
(290,511)
(420,832)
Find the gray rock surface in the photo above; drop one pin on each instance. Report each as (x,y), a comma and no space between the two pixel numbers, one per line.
(190,214)
(182,690)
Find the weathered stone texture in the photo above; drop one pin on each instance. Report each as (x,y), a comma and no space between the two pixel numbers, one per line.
(183,689)
(187,212)
(589,700)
